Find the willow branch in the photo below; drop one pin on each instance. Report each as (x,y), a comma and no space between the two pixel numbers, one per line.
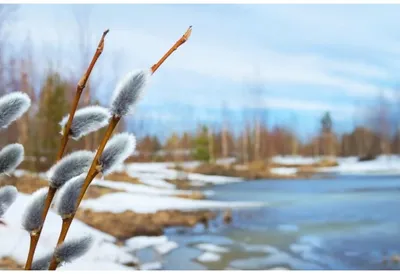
(95,167)
(64,140)
(178,43)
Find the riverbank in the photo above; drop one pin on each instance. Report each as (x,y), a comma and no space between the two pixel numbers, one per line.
(260,169)
(297,167)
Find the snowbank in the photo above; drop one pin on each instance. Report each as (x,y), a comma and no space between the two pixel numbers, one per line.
(209,257)
(103,255)
(144,203)
(382,165)
(295,160)
(212,248)
(141,242)
(155,174)
(138,188)
(285,171)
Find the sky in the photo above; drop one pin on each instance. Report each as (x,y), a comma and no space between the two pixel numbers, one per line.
(289,62)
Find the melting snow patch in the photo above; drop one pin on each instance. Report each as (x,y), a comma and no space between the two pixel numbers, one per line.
(286,171)
(208,257)
(212,248)
(151,266)
(141,242)
(142,203)
(165,248)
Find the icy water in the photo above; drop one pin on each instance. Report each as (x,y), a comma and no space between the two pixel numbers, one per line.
(342,223)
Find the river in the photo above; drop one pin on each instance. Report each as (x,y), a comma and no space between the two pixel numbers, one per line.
(347,222)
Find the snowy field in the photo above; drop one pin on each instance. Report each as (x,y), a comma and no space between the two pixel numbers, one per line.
(152,195)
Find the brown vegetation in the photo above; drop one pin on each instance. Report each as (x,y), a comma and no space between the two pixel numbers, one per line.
(129,224)
(122,177)
(29,183)
(7,263)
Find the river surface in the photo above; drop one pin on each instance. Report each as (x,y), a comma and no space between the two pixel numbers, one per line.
(350,222)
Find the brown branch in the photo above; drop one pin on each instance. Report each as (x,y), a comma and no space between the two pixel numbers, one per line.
(79,89)
(33,243)
(94,168)
(93,171)
(178,43)
(64,140)
(64,230)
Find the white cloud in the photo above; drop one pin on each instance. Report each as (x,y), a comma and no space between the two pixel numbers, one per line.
(141,47)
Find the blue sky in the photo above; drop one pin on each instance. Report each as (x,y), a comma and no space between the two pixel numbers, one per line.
(303,59)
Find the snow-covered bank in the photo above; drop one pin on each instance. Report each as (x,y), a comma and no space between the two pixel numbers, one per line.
(284,171)
(382,165)
(149,172)
(104,254)
(139,189)
(144,203)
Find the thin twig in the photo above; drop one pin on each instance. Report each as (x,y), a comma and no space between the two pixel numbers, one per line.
(94,168)
(178,43)
(64,140)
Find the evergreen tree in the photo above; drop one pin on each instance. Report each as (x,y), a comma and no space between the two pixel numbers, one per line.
(201,151)
(53,106)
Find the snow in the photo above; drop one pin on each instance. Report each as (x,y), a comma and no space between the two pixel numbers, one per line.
(209,257)
(286,171)
(151,266)
(382,165)
(165,248)
(295,160)
(141,242)
(157,183)
(389,165)
(213,179)
(19,173)
(102,255)
(212,248)
(149,172)
(138,188)
(159,243)
(144,203)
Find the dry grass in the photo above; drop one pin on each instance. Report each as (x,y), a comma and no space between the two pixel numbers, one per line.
(260,170)
(129,224)
(254,170)
(25,184)
(194,195)
(322,163)
(7,263)
(30,183)
(122,177)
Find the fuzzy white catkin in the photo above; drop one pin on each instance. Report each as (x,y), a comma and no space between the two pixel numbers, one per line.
(66,198)
(13,106)
(32,218)
(8,194)
(42,263)
(128,92)
(10,157)
(117,150)
(86,120)
(72,249)
(70,166)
